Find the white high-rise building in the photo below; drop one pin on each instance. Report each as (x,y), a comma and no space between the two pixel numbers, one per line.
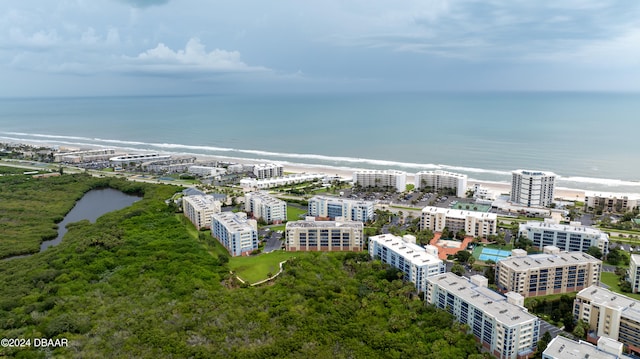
(416,262)
(500,323)
(532,188)
(568,237)
(237,234)
(476,224)
(439,180)
(396,180)
(634,273)
(333,207)
(268,170)
(262,205)
(312,235)
(199,209)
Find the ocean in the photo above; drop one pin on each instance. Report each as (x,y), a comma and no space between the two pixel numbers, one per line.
(589,139)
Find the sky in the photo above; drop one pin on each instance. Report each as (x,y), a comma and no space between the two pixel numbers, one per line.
(170,47)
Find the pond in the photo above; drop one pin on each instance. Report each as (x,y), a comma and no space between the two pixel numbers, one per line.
(92,205)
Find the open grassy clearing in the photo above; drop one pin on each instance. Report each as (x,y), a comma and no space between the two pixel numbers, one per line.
(255,268)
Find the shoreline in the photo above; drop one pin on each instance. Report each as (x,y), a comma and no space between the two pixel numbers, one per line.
(495,187)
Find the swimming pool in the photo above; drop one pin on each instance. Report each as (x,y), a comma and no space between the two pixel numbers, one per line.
(493,254)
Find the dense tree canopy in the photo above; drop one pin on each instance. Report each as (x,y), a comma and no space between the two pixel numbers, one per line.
(136,284)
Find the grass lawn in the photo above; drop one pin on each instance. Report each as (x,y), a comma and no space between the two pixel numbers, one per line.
(255,268)
(548,298)
(611,279)
(472,207)
(294,213)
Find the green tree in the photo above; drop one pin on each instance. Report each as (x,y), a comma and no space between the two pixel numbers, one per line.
(595,251)
(457,269)
(542,344)
(462,256)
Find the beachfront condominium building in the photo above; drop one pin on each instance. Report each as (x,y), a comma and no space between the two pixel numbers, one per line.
(634,273)
(476,224)
(266,183)
(551,272)
(207,171)
(441,180)
(312,235)
(84,156)
(383,179)
(332,207)
(200,208)
(237,234)
(570,237)
(532,188)
(500,323)
(565,348)
(416,262)
(261,205)
(610,202)
(268,170)
(610,315)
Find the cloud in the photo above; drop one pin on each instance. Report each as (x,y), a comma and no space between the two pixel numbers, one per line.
(194,58)
(500,30)
(145,3)
(37,40)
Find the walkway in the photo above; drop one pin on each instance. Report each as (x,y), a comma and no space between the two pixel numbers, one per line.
(443,251)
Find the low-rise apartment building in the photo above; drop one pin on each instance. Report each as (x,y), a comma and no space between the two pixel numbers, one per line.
(551,272)
(333,207)
(261,205)
(312,235)
(439,180)
(416,262)
(476,224)
(235,232)
(200,208)
(568,237)
(610,202)
(266,183)
(391,179)
(610,315)
(500,323)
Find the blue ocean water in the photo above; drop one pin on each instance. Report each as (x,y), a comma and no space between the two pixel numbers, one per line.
(589,139)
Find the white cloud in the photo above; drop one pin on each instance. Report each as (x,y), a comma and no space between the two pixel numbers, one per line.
(193,58)
(39,39)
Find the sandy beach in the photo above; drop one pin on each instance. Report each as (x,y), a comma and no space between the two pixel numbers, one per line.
(496,188)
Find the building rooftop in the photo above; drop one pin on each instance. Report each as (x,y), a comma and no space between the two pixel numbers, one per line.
(483,298)
(414,253)
(267,165)
(635,258)
(533,173)
(544,260)
(358,202)
(266,198)
(630,308)
(235,222)
(201,202)
(324,224)
(561,347)
(458,213)
(442,173)
(574,227)
(388,172)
